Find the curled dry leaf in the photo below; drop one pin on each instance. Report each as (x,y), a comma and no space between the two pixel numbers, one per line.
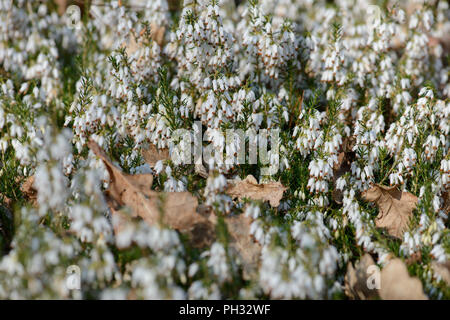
(152,155)
(395,281)
(249,188)
(124,188)
(395,208)
(177,210)
(396,284)
(243,244)
(157,33)
(442,270)
(121,216)
(356,280)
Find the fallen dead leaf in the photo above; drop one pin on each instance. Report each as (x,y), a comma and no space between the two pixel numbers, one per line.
(157,33)
(121,216)
(396,283)
(243,244)
(249,188)
(152,155)
(356,280)
(442,270)
(177,210)
(395,208)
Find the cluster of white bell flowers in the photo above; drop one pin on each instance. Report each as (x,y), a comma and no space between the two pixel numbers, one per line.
(358,90)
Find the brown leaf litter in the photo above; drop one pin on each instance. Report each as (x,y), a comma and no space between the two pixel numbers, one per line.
(395,208)
(243,244)
(177,210)
(249,188)
(356,280)
(395,281)
(397,284)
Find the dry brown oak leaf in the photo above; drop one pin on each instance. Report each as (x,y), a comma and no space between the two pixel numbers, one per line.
(396,284)
(395,208)
(356,280)
(395,281)
(177,210)
(249,188)
(243,244)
